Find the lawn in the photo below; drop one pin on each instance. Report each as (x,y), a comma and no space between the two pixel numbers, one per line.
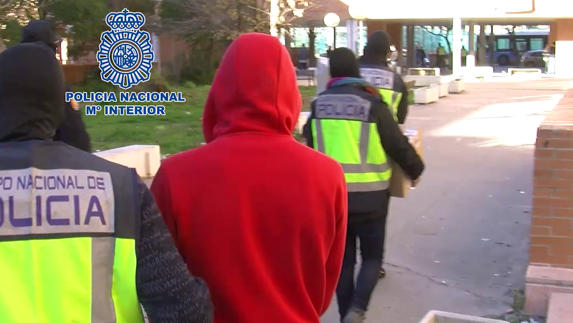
(178,130)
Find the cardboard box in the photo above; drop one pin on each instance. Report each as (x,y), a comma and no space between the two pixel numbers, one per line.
(399,182)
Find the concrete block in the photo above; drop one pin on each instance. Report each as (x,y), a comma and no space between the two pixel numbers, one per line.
(560,308)
(444,89)
(529,71)
(541,283)
(457,86)
(549,276)
(445,317)
(424,80)
(303,117)
(476,71)
(144,158)
(424,71)
(425,95)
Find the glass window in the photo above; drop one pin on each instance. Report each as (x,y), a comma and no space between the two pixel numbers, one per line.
(521,45)
(503,44)
(536,54)
(536,43)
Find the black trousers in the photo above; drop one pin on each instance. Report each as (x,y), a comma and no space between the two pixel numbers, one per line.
(370,229)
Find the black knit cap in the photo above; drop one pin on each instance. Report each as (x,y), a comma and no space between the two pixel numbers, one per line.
(343,63)
(378,44)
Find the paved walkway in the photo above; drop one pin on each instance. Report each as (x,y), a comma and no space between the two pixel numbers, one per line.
(459,242)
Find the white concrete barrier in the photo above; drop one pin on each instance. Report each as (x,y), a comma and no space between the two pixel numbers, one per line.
(445,317)
(457,86)
(425,95)
(444,89)
(426,80)
(476,71)
(144,158)
(523,71)
(426,70)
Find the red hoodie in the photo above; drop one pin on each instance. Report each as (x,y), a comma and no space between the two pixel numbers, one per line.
(260,217)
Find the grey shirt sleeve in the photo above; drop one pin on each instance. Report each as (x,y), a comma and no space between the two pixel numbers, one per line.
(166,289)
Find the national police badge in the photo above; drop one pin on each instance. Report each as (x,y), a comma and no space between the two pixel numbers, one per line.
(125,54)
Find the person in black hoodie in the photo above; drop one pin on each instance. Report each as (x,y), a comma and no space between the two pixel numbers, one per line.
(374,69)
(145,265)
(72,131)
(331,129)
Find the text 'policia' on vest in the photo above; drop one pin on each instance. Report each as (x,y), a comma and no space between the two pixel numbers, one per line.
(342,120)
(374,69)
(386,84)
(351,123)
(82,221)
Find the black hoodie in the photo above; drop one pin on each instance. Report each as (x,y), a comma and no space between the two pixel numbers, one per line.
(375,54)
(72,129)
(31,93)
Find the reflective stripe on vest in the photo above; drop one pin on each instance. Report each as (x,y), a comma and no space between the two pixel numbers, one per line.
(392,99)
(67,237)
(342,131)
(384,81)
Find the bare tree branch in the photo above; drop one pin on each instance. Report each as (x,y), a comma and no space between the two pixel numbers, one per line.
(6,3)
(444,32)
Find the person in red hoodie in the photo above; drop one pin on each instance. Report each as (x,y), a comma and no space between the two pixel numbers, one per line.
(257,215)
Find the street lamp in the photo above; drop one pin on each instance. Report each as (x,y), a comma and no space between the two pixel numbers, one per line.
(332,20)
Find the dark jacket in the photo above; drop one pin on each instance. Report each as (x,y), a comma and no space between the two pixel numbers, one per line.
(32,107)
(399,85)
(395,144)
(72,130)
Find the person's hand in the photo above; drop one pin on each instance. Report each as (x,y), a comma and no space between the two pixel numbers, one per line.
(415,182)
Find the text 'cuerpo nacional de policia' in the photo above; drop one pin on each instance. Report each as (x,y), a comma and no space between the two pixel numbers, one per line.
(55,201)
(127,98)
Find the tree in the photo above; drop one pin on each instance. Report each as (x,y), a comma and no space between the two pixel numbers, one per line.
(80,21)
(441,31)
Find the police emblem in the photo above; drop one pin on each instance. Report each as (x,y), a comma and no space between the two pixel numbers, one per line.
(125,54)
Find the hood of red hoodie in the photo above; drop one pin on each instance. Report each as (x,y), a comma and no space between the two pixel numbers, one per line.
(255,90)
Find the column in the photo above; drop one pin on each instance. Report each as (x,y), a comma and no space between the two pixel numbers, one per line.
(564,48)
(410,47)
(471,59)
(351,34)
(491,42)
(456,46)
(482,43)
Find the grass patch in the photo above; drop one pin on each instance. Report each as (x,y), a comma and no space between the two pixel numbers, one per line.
(516,315)
(180,129)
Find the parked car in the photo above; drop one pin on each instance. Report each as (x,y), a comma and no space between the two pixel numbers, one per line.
(534,58)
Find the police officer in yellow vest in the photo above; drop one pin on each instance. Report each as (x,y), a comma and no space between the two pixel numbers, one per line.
(350,123)
(81,240)
(390,84)
(374,69)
